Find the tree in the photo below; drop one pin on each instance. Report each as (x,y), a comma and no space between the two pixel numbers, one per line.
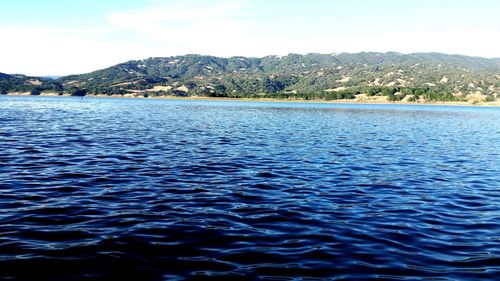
(74,91)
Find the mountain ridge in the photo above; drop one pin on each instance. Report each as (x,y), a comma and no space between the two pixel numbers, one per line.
(312,76)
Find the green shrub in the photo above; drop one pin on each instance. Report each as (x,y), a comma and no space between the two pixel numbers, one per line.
(412,99)
(489,99)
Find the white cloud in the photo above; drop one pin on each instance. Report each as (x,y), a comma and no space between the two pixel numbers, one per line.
(153,31)
(155,19)
(220,28)
(47,51)
(179,29)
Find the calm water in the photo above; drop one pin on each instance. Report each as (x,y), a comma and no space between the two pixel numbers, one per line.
(170,190)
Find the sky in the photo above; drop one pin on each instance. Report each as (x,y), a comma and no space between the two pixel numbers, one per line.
(43,37)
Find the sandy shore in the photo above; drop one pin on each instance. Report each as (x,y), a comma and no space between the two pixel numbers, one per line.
(351,101)
(378,100)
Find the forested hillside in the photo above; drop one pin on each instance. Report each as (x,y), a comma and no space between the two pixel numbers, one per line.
(29,85)
(410,77)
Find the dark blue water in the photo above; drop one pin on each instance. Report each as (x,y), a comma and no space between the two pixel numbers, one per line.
(129,189)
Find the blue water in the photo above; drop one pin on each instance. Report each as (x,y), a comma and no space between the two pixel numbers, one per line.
(131,189)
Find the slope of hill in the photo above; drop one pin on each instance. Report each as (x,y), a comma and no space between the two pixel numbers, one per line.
(30,85)
(433,76)
(410,77)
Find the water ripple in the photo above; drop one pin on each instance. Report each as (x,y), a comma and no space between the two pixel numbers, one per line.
(100,189)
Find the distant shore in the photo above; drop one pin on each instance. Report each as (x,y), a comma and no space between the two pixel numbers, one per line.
(374,100)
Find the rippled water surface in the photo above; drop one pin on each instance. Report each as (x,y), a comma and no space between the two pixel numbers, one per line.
(96,189)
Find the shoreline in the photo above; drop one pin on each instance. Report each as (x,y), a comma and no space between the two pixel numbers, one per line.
(350,101)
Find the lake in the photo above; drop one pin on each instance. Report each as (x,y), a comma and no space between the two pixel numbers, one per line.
(142,189)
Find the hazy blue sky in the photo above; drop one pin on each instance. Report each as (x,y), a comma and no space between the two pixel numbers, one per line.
(63,37)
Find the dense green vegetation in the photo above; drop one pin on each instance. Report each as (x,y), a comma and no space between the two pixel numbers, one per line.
(413,77)
(24,84)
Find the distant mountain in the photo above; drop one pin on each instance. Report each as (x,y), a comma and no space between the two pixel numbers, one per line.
(428,76)
(17,83)
(53,77)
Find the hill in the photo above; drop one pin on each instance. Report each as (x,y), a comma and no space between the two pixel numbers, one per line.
(411,77)
(434,76)
(28,85)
